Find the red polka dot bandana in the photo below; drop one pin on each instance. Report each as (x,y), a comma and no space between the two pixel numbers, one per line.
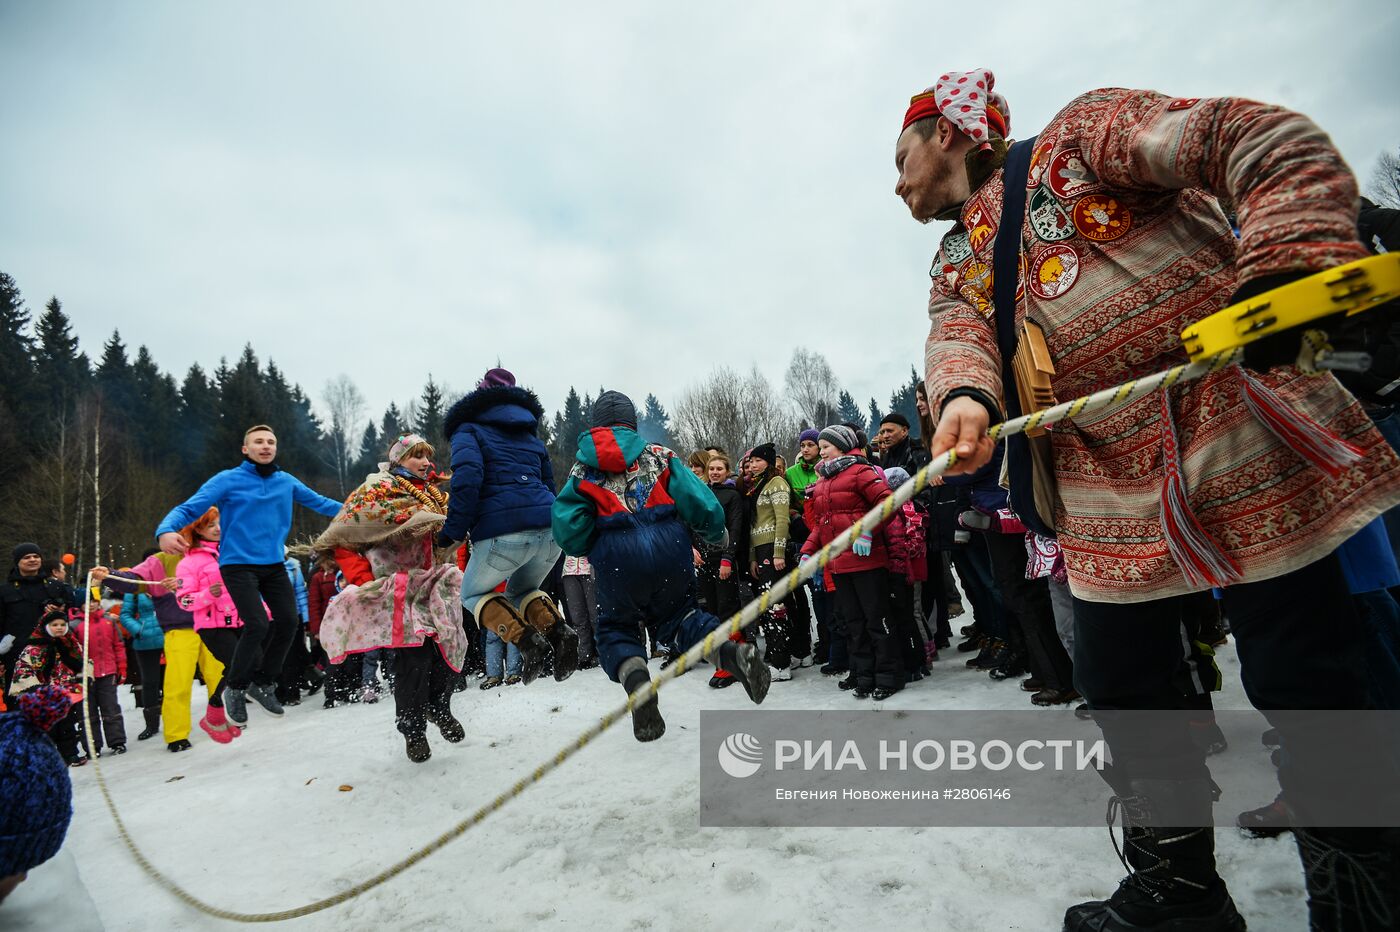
(965,99)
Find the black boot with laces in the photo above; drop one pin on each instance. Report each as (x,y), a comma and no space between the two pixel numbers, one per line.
(1171,885)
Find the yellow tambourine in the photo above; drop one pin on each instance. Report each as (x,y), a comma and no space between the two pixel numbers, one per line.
(1350,289)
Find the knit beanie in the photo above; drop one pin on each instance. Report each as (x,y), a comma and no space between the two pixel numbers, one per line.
(896,476)
(497,378)
(403,445)
(36,795)
(26,549)
(613,409)
(894,417)
(811,434)
(766,452)
(841,437)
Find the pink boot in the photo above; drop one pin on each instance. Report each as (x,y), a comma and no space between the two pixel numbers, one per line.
(216,725)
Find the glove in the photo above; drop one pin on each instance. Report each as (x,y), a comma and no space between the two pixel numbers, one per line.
(6,643)
(974,520)
(1276,349)
(444,541)
(802,560)
(862,546)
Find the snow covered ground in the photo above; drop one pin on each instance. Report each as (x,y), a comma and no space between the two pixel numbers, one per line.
(611,840)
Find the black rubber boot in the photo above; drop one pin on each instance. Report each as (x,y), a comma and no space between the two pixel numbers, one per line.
(1353,878)
(152,724)
(1012,666)
(743,663)
(1267,821)
(647,723)
(991,655)
(1171,885)
(503,619)
(542,614)
(417,748)
(447,723)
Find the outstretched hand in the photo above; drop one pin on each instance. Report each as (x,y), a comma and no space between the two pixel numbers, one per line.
(963,429)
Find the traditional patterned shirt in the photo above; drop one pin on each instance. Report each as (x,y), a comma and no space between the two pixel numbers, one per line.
(1124,244)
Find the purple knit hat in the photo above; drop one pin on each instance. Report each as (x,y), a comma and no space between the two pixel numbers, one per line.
(497,378)
(810,433)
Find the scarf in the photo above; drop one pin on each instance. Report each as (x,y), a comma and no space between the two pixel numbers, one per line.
(385,508)
(828,468)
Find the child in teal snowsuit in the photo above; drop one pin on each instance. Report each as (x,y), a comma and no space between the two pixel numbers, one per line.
(629,506)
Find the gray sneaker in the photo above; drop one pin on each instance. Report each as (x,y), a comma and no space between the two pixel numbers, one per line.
(236,706)
(266,696)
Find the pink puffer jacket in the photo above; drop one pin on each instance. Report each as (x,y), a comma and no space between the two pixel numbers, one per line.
(197,573)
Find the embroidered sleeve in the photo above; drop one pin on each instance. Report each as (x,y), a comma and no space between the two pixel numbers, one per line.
(961,351)
(1293,194)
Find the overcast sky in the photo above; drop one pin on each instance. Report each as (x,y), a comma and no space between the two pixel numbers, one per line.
(594,193)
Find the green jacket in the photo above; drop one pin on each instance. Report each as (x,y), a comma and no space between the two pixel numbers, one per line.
(799,476)
(619,481)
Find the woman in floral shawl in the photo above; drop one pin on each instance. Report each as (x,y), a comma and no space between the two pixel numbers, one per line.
(397,596)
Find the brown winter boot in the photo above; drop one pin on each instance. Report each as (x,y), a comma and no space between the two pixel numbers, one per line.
(497,615)
(543,615)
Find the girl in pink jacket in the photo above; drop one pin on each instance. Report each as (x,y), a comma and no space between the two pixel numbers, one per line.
(200,591)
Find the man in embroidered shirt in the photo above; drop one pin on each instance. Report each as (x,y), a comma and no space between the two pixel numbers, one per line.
(1122,245)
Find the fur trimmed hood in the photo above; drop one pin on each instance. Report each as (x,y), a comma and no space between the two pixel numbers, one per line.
(481,405)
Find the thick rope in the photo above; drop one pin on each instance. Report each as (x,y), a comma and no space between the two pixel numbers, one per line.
(1109,397)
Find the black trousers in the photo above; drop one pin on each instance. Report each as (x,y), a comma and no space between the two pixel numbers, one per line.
(294,667)
(581,606)
(1300,647)
(422,688)
(721,596)
(152,678)
(223,644)
(1031,618)
(68,733)
(974,569)
(343,679)
(262,648)
(904,624)
(801,643)
(104,714)
(776,626)
(864,602)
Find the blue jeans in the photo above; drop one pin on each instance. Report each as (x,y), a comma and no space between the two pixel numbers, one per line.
(521,559)
(495,650)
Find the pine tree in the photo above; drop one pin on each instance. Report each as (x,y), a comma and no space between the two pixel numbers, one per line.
(371,451)
(904,400)
(430,412)
(392,425)
(875,416)
(16,351)
(197,419)
(242,403)
(115,380)
(61,372)
(654,424)
(847,412)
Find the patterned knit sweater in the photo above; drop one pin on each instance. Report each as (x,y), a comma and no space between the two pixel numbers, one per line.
(770,517)
(1123,245)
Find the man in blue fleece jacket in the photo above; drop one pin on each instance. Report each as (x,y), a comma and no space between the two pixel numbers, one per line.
(255,508)
(629,506)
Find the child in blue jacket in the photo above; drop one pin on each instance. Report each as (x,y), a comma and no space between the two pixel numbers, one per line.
(629,506)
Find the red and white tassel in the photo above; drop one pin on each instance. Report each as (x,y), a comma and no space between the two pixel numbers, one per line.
(1197,554)
(1299,433)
